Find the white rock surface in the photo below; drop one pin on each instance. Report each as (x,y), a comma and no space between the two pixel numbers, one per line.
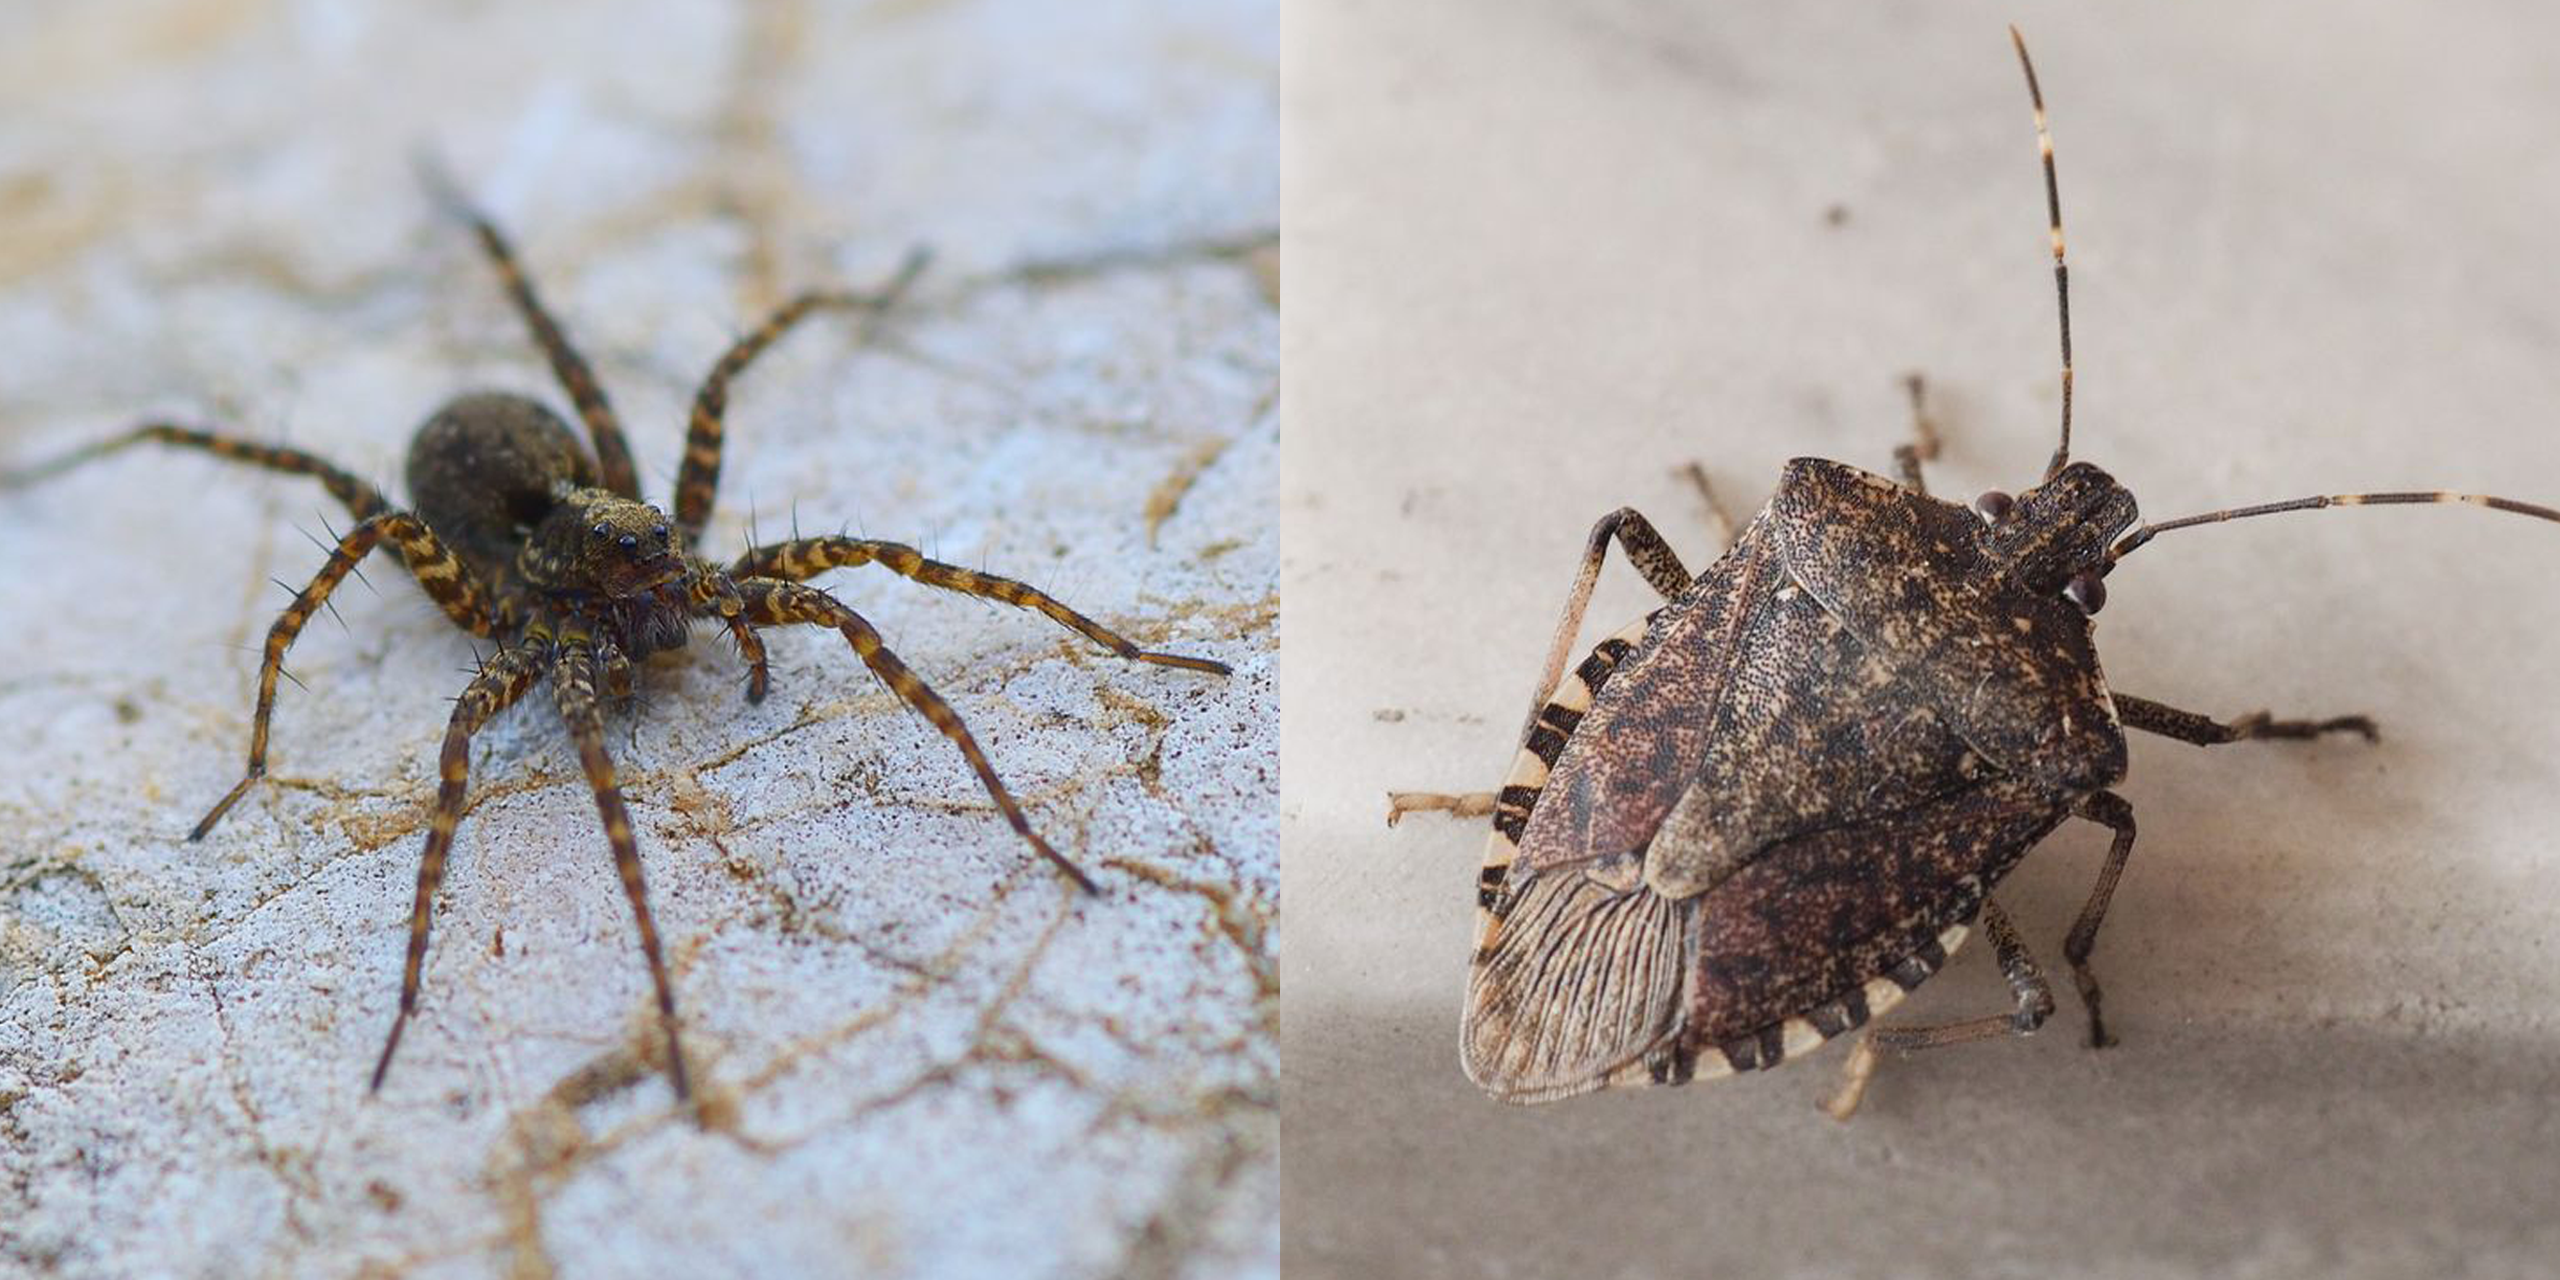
(922,1056)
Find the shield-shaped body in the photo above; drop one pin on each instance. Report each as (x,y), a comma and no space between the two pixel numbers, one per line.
(1762,814)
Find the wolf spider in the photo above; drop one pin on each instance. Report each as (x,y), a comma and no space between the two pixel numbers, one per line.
(524,538)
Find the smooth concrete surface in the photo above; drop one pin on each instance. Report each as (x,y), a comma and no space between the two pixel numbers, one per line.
(921,1055)
(1542,255)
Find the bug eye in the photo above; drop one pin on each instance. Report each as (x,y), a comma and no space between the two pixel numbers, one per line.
(2087,590)
(1994,506)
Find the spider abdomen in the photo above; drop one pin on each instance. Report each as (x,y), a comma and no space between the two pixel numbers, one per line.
(486,469)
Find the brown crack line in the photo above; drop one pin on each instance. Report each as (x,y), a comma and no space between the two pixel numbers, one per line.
(1243,921)
(1169,492)
(294,1170)
(1242,1129)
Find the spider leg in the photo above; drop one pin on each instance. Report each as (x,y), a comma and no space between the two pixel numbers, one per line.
(716,596)
(699,477)
(613,454)
(573,686)
(498,686)
(751,652)
(436,569)
(771,603)
(805,558)
(360,497)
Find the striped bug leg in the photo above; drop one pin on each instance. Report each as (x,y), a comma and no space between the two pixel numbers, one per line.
(698,480)
(805,558)
(436,569)
(2026,982)
(499,685)
(573,684)
(770,603)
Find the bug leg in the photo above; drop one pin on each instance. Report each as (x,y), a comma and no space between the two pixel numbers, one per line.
(1651,557)
(1474,804)
(573,685)
(805,558)
(771,603)
(2205,731)
(359,496)
(436,569)
(699,478)
(2110,810)
(1719,521)
(613,454)
(498,686)
(1923,445)
(2026,982)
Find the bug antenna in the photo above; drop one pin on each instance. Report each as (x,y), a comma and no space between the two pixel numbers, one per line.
(2125,545)
(2061,271)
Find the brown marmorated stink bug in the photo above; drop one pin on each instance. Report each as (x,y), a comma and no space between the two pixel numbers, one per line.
(1766,811)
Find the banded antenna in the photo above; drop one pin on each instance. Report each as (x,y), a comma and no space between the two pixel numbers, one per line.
(2061,272)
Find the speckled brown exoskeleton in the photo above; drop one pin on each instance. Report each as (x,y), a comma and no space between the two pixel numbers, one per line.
(1760,815)
(525,538)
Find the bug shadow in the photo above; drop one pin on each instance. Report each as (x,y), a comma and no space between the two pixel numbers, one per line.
(2199,1146)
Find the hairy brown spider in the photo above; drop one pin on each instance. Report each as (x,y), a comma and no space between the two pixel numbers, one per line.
(522,537)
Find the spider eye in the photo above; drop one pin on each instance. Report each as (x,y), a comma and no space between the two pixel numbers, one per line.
(2087,590)
(1994,506)
(601,529)
(630,541)
(660,533)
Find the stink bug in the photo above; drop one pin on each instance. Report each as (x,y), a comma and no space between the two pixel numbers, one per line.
(1760,815)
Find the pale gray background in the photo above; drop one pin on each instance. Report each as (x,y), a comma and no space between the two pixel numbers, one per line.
(1540,254)
(922,1056)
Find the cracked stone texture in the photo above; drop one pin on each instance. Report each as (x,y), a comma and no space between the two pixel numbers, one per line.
(919,1053)
(1541,255)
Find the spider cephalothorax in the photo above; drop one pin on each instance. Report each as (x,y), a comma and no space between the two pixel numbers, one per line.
(525,538)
